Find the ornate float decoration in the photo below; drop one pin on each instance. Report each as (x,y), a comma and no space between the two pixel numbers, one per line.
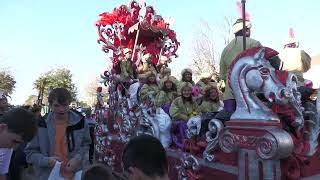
(137,27)
(272,133)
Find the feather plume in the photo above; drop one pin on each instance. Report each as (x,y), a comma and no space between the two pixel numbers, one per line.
(239,7)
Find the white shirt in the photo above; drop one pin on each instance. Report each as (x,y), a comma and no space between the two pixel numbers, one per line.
(5,156)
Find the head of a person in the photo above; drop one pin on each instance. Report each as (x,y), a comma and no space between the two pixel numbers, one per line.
(205,77)
(164,60)
(168,84)
(291,43)
(88,113)
(59,101)
(142,78)
(16,126)
(186,75)
(144,158)
(186,91)
(149,58)
(166,72)
(98,172)
(99,89)
(127,52)
(36,110)
(238,27)
(211,93)
(308,83)
(151,77)
(3,103)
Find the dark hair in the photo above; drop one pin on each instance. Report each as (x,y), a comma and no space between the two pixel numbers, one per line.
(148,82)
(35,108)
(26,107)
(61,95)
(207,95)
(173,88)
(98,172)
(147,154)
(184,77)
(21,122)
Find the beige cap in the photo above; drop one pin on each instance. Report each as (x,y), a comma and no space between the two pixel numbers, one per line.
(146,57)
(149,73)
(290,41)
(186,70)
(184,85)
(167,78)
(238,26)
(126,50)
(205,75)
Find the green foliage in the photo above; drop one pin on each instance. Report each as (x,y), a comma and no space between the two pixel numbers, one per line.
(7,84)
(55,78)
(32,99)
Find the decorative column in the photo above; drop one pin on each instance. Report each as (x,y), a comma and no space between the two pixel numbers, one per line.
(260,146)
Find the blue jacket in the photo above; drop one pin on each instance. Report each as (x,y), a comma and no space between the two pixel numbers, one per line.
(40,148)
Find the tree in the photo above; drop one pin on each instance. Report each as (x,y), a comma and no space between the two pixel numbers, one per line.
(7,84)
(206,43)
(32,99)
(55,78)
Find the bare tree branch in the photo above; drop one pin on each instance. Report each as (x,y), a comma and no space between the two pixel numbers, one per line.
(205,42)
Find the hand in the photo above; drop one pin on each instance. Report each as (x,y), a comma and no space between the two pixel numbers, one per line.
(53,160)
(72,165)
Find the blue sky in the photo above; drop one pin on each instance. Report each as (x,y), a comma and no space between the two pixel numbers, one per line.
(37,35)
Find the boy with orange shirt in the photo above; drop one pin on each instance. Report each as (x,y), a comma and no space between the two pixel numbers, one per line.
(62,136)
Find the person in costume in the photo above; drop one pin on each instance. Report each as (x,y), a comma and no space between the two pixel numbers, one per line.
(134,91)
(163,65)
(295,59)
(204,81)
(150,89)
(99,103)
(165,72)
(167,93)
(229,53)
(183,107)
(186,76)
(181,110)
(210,101)
(147,64)
(126,68)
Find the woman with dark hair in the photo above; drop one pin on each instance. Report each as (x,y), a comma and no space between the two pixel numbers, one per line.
(210,101)
(186,76)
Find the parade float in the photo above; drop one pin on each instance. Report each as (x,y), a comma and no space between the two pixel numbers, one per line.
(274,137)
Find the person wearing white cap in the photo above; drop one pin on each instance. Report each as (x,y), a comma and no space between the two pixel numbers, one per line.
(147,64)
(295,59)
(150,89)
(186,76)
(230,52)
(126,65)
